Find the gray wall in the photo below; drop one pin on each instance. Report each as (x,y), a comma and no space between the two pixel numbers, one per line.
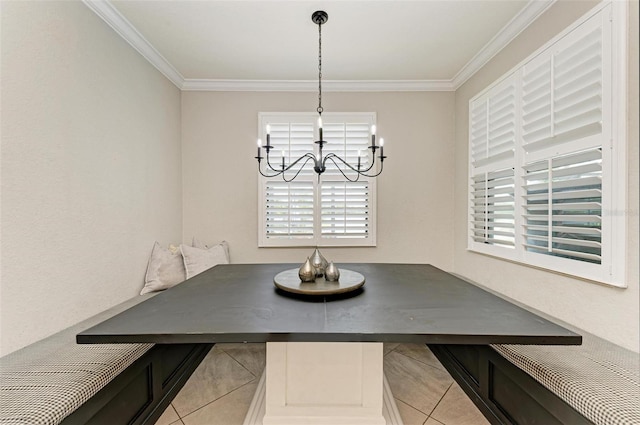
(91,171)
(415,200)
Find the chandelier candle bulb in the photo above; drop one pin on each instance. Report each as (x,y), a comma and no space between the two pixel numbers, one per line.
(268,134)
(373,138)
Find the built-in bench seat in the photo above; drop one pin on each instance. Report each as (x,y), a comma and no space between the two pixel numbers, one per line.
(597,382)
(598,379)
(57,381)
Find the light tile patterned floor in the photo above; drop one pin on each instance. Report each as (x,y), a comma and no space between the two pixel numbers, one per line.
(220,390)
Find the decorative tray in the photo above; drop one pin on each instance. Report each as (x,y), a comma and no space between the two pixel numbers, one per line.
(289,281)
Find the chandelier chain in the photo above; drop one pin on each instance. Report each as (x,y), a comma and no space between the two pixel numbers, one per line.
(320,109)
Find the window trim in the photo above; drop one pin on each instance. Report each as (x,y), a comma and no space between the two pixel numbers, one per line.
(317,240)
(612,270)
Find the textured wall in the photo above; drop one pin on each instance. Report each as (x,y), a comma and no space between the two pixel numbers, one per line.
(611,313)
(415,199)
(91,171)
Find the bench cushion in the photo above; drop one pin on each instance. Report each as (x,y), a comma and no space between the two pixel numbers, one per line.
(598,379)
(46,381)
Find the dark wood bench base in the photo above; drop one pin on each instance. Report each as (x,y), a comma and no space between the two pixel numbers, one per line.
(141,393)
(503,392)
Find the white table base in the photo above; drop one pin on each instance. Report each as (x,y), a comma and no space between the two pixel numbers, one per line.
(323,383)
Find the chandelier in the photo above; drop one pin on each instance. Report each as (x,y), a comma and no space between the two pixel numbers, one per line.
(319,161)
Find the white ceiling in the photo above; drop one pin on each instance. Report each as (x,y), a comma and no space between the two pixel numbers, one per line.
(276,40)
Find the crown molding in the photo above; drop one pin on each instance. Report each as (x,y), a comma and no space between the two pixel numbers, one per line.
(312,86)
(105,10)
(529,13)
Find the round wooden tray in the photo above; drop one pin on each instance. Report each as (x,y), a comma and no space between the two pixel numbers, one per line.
(289,281)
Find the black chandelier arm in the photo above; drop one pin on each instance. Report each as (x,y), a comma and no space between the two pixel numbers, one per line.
(299,170)
(379,171)
(267,175)
(309,157)
(271,167)
(359,171)
(331,156)
(342,172)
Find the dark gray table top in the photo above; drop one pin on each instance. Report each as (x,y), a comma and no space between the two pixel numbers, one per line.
(398,303)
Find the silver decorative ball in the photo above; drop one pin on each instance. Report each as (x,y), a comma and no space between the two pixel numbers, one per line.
(332,273)
(319,262)
(307,272)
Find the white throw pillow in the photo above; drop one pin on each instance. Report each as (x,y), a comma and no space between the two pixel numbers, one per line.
(165,269)
(197,260)
(197,243)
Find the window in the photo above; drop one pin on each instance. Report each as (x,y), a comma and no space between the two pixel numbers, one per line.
(308,211)
(546,154)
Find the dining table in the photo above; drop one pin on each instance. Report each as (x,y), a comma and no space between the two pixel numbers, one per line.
(324,361)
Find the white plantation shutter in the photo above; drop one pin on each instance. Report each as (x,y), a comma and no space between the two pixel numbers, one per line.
(562,90)
(493,125)
(294,139)
(501,123)
(493,208)
(577,84)
(309,211)
(344,209)
(493,141)
(347,140)
(344,205)
(478,131)
(544,179)
(289,209)
(562,117)
(563,206)
(537,111)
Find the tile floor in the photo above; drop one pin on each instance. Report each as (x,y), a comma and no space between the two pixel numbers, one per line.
(220,390)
